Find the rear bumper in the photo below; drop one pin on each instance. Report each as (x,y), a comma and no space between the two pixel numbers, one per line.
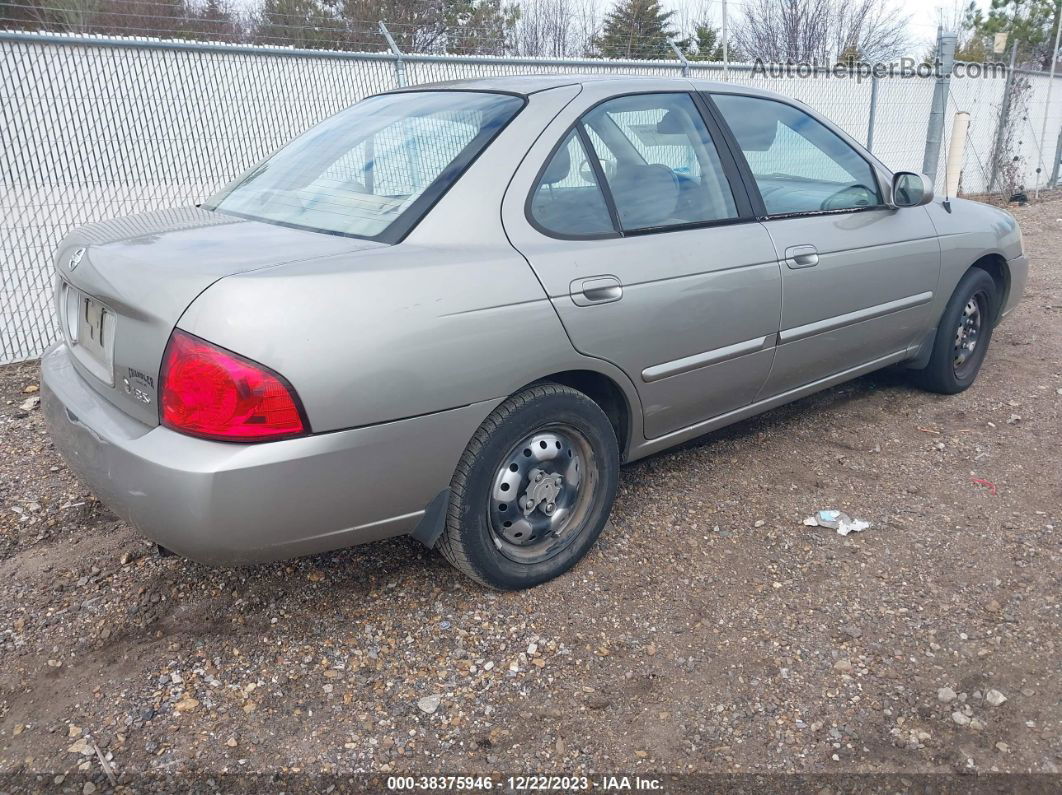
(221,503)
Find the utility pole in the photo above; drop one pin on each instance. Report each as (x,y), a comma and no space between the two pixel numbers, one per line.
(1058,158)
(945,62)
(726,55)
(1047,104)
(873,111)
(1004,114)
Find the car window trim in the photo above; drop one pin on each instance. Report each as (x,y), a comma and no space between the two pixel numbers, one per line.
(599,175)
(746,211)
(423,205)
(729,163)
(741,208)
(537,181)
(427,89)
(611,129)
(750,179)
(741,167)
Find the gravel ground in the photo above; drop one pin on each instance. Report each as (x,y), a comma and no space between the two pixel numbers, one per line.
(708,631)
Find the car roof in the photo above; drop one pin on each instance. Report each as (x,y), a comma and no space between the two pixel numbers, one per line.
(528,84)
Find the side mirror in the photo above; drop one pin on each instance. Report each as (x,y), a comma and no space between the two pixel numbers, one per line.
(910,189)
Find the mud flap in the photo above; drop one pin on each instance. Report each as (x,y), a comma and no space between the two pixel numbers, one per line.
(433,522)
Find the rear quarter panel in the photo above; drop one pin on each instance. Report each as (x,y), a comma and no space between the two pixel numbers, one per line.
(394,333)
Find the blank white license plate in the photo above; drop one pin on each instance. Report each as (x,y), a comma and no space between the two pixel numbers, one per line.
(94,340)
(91,336)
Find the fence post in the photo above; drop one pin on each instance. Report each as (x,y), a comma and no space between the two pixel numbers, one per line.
(681,57)
(1047,101)
(400,65)
(1001,125)
(726,43)
(945,60)
(1058,156)
(873,111)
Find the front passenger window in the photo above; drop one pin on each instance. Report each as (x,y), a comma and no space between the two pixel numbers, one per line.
(799,164)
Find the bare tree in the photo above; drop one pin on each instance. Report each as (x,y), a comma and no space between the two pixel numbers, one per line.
(544,28)
(589,19)
(426,26)
(822,31)
(197,19)
(556,28)
(68,16)
(689,16)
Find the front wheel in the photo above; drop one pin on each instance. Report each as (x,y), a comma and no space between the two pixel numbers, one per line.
(963,335)
(533,489)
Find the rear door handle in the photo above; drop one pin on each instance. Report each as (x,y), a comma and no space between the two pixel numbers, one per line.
(596,290)
(801,256)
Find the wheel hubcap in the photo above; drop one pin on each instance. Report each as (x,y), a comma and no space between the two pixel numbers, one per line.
(967,335)
(541,493)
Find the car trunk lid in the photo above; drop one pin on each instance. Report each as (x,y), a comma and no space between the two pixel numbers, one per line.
(122,285)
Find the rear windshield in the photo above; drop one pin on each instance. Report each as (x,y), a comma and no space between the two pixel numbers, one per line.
(374,169)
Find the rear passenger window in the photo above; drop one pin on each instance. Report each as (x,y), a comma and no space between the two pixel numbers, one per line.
(660,162)
(567,200)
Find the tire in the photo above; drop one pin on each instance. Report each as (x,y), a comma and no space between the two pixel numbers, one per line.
(973,306)
(576,463)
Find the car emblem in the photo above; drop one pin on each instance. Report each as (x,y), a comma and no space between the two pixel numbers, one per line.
(75,259)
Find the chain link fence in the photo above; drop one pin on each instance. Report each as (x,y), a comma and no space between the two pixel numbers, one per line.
(95,127)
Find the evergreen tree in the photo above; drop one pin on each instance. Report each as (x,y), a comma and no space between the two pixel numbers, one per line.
(304,24)
(637,29)
(1030,23)
(213,20)
(707,45)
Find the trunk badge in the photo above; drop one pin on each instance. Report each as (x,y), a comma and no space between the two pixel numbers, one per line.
(75,259)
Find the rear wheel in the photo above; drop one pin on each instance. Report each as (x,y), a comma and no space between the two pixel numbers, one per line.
(963,335)
(533,489)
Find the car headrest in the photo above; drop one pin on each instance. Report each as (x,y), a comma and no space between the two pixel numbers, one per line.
(671,124)
(559,167)
(645,196)
(754,133)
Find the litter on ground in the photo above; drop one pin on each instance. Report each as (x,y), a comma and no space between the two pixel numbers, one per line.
(837,520)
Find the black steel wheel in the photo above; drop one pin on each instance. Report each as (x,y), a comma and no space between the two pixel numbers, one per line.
(968,334)
(533,489)
(963,335)
(543,490)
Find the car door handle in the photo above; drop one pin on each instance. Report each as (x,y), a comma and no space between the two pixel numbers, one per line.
(596,290)
(801,256)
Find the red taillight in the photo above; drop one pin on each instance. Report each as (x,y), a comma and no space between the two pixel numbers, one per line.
(210,392)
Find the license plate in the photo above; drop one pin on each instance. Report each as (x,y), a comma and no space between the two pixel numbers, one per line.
(91,331)
(93,337)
